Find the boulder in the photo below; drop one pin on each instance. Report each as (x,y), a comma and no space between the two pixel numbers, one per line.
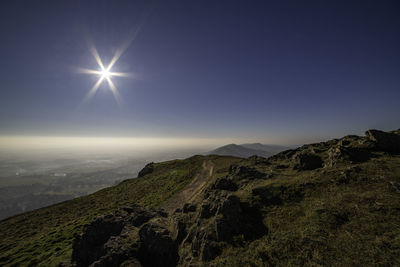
(307,161)
(102,241)
(385,141)
(88,247)
(116,251)
(140,216)
(341,153)
(221,217)
(244,172)
(157,247)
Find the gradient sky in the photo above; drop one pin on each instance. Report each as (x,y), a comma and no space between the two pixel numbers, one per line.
(273,71)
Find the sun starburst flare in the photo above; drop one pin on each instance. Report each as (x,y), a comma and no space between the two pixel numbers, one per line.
(105,74)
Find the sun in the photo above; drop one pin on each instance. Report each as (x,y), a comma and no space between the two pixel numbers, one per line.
(104,74)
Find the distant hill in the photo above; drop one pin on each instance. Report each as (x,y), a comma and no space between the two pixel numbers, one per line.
(247,150)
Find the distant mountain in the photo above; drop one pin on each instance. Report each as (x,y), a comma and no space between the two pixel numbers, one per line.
(247,150)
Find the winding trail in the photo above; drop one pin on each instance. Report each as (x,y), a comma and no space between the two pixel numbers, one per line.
(192,190)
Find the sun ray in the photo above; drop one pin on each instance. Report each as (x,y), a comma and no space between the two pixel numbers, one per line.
(114,90)
(93,90)
(121,74)
(124,46)
(96,56)
(88,71)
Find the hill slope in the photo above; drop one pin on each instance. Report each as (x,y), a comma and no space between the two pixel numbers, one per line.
(335,203)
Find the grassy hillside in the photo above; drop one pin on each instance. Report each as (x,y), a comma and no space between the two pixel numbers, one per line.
(346,215)
(44,236)
(334,203)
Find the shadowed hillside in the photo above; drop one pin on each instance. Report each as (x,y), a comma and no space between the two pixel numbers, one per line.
(334,203)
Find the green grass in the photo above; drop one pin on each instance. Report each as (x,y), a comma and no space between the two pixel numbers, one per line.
(44,236)
(355,223)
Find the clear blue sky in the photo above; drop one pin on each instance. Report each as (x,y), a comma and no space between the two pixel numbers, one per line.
(241,69)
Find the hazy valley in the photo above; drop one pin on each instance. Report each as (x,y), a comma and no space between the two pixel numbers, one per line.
(28,183)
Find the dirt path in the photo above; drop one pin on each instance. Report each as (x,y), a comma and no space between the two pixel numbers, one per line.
(192,190)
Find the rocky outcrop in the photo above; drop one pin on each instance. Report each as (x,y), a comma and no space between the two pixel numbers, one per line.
(133,235)
(342,153)
(307,161)
(221,217)
(238,172)
(157,247)
(107,241)
(149,168)
(385,141)
(88,247)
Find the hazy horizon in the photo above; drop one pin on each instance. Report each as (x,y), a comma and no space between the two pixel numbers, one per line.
(96,143)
